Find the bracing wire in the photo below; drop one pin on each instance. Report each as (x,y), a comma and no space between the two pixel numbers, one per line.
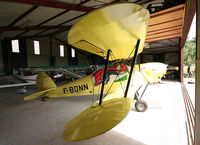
(130,54)
(115,78)
(110,87)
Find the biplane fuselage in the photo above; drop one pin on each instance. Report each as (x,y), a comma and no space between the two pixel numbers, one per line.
(84,86)
(90,85)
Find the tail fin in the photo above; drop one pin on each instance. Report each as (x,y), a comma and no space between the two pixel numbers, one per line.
(36,95)
(44,82)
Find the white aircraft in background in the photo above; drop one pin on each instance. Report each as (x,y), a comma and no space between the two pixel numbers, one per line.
(18,79)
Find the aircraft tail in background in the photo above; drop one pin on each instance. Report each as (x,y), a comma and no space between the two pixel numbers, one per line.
(44,84)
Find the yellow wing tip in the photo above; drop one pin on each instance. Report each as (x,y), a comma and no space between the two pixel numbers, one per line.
(31,97)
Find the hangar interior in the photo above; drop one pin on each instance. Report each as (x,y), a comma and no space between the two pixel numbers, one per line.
(47,22)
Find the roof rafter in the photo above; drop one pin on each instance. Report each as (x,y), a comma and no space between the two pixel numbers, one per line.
(59,14)
(33,28)
(26,37)
(22,16)
(53,4)
(53,33)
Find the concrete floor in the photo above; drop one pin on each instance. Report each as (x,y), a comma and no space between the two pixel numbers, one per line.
(38,123)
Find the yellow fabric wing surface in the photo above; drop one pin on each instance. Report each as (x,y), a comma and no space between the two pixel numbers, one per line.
(116,27)
(96,120)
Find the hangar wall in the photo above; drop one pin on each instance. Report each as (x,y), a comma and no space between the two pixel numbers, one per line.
(83,59)
(48,52)
(44,58)
(146,58)
(1,61)
(169,58)
(90,60)
(172,59)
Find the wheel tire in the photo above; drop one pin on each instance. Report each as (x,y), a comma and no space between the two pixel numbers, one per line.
(21,91)
(141,106)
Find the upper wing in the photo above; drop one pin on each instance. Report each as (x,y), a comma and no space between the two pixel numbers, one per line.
(116,27)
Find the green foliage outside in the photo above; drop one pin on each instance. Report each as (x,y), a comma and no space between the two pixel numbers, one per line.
(189,55)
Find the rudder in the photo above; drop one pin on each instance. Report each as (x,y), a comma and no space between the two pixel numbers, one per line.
(44,82)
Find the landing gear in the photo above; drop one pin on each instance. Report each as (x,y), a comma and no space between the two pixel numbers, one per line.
(44,98)
(141,106)
(22,91)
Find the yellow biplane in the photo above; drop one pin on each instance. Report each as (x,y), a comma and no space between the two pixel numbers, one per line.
(117,33)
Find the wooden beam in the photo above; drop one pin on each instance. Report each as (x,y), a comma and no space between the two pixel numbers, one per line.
(53,4)
(169,30)
(166,11)
(166,24)
(190,7)
(166,17)
(163,29)
(160,35)
(177,35)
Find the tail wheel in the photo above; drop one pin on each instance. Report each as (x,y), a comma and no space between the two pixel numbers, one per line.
(141,106)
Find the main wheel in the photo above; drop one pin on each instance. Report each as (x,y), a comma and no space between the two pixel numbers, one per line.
(21,91)
(141,106)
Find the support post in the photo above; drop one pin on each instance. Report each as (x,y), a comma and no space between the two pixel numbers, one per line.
(132,67)
(104,77)
(197,78)
(181,64)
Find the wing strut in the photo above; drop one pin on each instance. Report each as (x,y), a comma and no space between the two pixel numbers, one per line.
(104,76)
(132,67)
